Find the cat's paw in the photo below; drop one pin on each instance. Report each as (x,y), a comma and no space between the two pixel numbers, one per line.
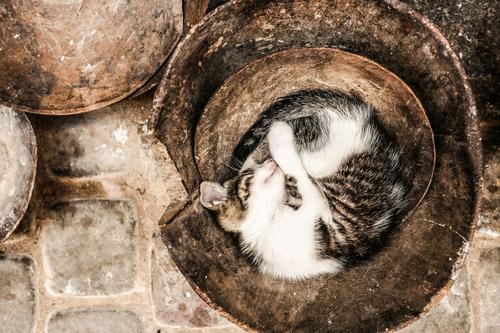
(280,137)
(282,148)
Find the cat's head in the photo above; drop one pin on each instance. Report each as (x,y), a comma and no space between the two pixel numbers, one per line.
(255,191)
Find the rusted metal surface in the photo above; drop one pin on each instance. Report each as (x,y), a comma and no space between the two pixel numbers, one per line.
(18,151)
(71,56)
(212,4)
(194,10)
(416,267)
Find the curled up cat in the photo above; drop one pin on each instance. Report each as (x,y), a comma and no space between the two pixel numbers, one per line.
(321,186)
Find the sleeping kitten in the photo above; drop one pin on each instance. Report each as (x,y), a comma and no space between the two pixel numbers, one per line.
(321,186)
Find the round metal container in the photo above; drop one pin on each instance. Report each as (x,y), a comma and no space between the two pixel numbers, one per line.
(71,56)
(235,63)
(17,168)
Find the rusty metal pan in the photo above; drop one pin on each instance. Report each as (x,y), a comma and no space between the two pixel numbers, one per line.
(18,151)
(72,56)
(421,259)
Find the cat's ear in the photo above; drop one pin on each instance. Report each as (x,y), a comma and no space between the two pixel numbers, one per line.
(212,195)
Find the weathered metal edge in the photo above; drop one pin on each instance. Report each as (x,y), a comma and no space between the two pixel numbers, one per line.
(27,195)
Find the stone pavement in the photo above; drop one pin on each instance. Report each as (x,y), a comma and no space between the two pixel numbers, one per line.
(88,258)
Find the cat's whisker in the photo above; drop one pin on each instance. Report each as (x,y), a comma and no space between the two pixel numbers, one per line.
(231,166)
(237,162)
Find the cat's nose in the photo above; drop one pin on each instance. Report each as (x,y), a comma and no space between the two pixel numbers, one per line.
(271,163)
(272,166)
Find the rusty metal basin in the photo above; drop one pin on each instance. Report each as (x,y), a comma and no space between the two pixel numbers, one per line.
(217,69)
(17,168)
(71,56)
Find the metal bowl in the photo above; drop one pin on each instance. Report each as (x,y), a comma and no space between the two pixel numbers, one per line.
(17,168)
(72,56)
(227,56)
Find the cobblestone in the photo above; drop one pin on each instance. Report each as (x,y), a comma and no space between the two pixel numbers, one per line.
(71,147)
(17,297)
(90,248)
(489,290)
(94,322)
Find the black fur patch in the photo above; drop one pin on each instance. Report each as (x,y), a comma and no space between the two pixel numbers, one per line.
(294,198)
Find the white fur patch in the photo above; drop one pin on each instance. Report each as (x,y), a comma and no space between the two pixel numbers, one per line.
(346,138)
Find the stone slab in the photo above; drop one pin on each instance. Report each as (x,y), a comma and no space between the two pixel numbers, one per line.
(489,290)
(17,296)
(86,145)
(104,321)
(90,248)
